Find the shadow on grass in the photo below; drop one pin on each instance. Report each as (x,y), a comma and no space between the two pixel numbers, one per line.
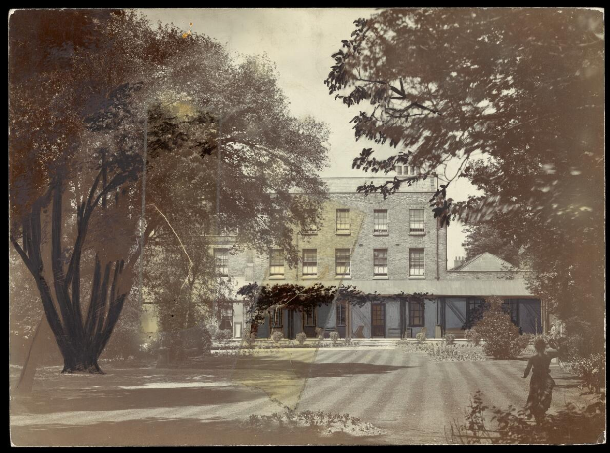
(172,432)
(44,402)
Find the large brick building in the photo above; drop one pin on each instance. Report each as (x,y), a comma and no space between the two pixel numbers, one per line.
(384,247)
(381,247)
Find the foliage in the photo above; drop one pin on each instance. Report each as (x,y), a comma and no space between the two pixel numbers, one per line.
(319,333)
(440,352)
(483,238)
(591,370)
(514,97)
(277,336)
(198,338)
(224,335)
(325,421)
(473,336)
(347,341)
(249,339)
(572,425)
(421,337)
(301,337)
(334,337)
(450,338)
(501,336)
(83,100)
(263,298)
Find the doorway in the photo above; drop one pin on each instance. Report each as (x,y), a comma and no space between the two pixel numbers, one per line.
(378,320)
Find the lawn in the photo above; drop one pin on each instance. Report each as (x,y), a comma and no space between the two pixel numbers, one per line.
(405,396)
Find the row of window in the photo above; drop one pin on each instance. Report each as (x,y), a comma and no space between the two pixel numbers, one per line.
(342,262)
(416,315)
(380,218)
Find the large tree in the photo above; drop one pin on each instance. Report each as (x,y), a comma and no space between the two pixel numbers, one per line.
(516,98)
(101,134)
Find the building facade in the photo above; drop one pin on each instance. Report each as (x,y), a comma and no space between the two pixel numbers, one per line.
(383,247)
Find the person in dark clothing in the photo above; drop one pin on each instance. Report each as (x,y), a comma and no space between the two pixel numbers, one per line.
(541,384)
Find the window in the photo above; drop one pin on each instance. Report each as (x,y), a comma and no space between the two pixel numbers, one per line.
(380,262)
(276,319)
(343,225)
(416,262)
(342,261)
(416,314)
(221,257)
(276,262)
(407,170)
(512,307)
(416,220)
(309,317)
(310,262)
(381,221)
(474,310)
(226,318)
(310,228)
(341,313)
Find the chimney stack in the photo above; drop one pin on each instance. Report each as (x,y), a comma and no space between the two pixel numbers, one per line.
(458,261)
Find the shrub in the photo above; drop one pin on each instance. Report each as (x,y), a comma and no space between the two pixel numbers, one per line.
(501,336)
(197,338)
(212,329)
(301,337)
(472,336)
(223,335)
(124,342)
(572,425)
(334,337)
(277,336)
(591,370)
(450,338)
(420,337)
(319,333)
(348,341)
(249,339)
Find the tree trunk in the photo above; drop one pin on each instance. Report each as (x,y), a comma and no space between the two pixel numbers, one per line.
(81,362)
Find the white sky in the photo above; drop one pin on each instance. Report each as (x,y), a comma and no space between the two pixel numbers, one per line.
(300,42)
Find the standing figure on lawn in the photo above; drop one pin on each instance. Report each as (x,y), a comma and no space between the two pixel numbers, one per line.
(541,384)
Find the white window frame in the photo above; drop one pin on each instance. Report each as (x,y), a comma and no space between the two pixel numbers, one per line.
(277,273)
(423,259)
(377,268)
(423,222)
(342,230)
(378,231)
(310,269)
(221,270)
(349,263)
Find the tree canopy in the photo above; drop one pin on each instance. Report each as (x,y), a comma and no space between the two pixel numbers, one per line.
(516,97)
(120,132)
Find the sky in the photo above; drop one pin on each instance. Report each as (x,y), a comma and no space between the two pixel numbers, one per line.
(300,42)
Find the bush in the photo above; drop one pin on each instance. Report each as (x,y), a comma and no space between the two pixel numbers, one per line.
(472,336)
(319,333)
(223,335)
(197,338)
(334,337)
(348,341)
(249,339)
(124,343)
(301,337)
(501,336)
(572,425)
(420,337)
(591,370)
(277,336)
(212,329)
(450,338)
